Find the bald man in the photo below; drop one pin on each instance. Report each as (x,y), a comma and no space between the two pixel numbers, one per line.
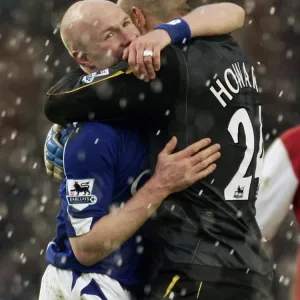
(211,241)
(82,34)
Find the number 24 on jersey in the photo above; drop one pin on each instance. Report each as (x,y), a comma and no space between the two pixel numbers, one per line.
(240,184)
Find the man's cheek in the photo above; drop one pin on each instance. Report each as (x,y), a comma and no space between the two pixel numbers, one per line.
(136,32)
(117,52)
(109,52)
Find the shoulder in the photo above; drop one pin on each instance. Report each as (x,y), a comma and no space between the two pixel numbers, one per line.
(88,131)
(119,68)
(215,46)
(89,141)
(210,42)
(77,79)
(170,56)
(291,138)
(67,82)
(290,141)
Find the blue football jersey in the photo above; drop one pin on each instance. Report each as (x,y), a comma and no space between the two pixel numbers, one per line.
(104,166)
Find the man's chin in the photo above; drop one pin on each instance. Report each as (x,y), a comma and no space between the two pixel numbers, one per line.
(121,55)
(114,60)
(108,63)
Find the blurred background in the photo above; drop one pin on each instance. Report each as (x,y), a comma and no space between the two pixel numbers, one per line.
(32,56)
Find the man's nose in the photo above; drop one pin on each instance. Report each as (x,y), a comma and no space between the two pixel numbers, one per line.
(127,37)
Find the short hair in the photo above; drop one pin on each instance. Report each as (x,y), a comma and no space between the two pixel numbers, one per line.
(160,8)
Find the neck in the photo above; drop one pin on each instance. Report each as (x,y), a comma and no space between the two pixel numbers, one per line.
(175,15)
(152,21)
(87,70)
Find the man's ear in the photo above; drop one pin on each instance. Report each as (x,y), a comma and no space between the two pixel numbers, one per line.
(138,18)
(82,59)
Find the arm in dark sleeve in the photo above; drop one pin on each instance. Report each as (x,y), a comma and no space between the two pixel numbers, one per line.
(115,93)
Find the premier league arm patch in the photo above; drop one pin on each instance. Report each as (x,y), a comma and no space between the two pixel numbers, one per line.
(93,76)
(119,68)
(79,193)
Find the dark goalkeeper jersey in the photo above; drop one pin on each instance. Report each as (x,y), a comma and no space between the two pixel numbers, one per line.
(207,88)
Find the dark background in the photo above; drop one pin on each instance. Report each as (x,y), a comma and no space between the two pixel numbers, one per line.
(32,56)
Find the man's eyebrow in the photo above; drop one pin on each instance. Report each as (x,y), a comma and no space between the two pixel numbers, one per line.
(126,18)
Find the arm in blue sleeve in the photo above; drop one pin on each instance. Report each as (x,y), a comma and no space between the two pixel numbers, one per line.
(89,161)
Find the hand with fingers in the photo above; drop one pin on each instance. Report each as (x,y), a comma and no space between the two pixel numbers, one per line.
(143,54)
(177,171)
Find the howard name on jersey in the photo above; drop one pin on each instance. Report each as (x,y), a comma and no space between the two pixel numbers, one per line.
(104,166)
